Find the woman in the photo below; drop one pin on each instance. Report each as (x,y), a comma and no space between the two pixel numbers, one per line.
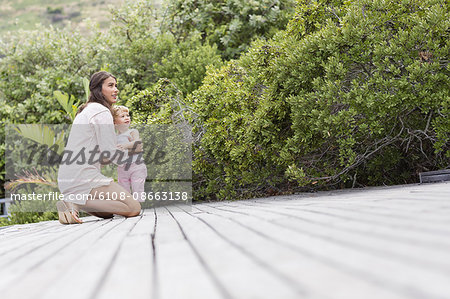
(92,140)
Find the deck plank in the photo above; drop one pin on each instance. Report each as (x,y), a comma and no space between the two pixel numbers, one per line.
(310,268)
(385,242)
(90,262)
(27,255)
(416,232)
(132,272)
(47,262)
(413,276)
(234,268)
(180,273)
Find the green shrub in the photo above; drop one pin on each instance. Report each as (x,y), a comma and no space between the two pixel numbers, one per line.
(157,104)
(36,63)
(18,217)
(33,65)
(359,97)
(240,131)
(313,15)
(142,54)
(370,91)
(186,65)
(231,25)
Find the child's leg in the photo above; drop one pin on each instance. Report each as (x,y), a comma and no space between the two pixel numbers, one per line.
(124,178)
(138,176)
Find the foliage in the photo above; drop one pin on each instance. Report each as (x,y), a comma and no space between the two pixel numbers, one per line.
(374,89)
(143,54)
(18,217)
(36,63)
(312,15)
(30,211)
(186,65)
(142,63)
(156,104)
(68,103)
(163,103)
(363,91)
(231,25)
(43,135)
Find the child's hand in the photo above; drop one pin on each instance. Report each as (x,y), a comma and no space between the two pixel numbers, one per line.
(121,147)
(137,146)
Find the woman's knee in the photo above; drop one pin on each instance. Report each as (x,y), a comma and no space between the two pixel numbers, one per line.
(133,207)
(134,213)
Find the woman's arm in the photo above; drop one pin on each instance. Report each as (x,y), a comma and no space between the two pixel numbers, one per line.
(103,126)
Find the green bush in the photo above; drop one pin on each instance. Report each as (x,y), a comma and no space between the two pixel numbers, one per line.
(359,97)
(140,53)
(231,25)
(234,151)
(186,65)
(28,217)
(19,217)
(34,64)
(157,104)
(142,63)
(370,91)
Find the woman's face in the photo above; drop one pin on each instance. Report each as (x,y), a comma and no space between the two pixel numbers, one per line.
(109,90)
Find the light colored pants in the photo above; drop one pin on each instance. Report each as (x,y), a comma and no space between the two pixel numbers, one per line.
(133,179)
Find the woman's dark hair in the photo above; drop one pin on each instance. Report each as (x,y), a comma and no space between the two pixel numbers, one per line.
(95,87)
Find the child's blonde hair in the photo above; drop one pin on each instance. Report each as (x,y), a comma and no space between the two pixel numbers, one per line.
(118,109)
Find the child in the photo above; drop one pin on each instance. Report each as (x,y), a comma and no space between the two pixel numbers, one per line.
(129,176)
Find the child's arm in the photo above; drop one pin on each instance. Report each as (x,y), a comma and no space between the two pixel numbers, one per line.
(131,145)
(137,142)
(135,135)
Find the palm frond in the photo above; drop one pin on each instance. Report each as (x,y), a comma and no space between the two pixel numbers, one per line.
(30,178)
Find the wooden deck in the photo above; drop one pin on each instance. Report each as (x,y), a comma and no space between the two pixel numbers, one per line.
(391,242)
